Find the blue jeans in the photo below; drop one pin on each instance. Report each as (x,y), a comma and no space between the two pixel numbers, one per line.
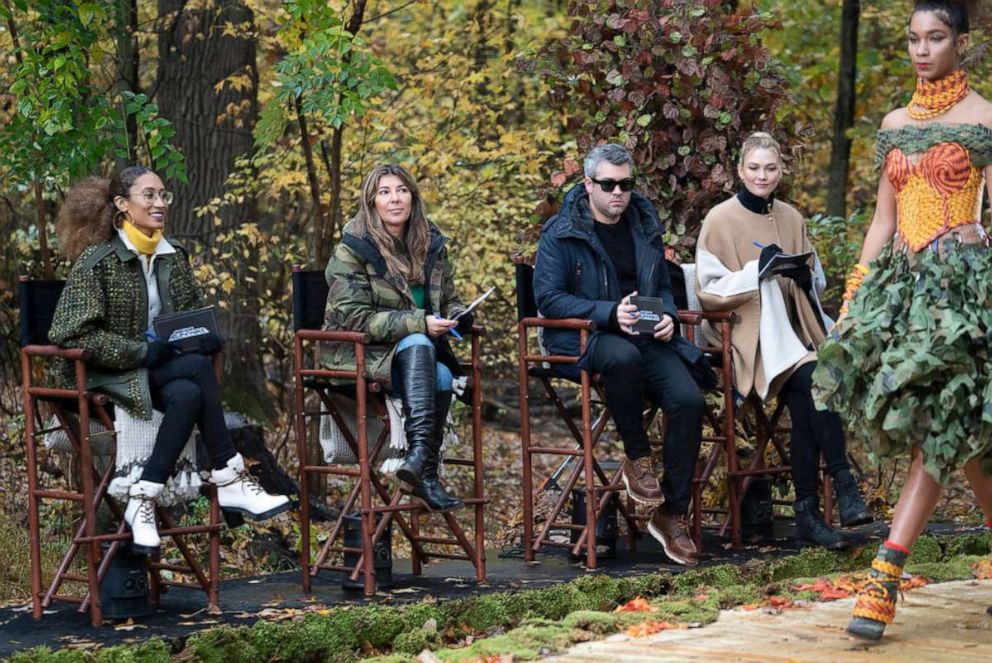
(444,377)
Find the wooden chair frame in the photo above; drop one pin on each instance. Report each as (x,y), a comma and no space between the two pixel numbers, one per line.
(93,406)
(533,366)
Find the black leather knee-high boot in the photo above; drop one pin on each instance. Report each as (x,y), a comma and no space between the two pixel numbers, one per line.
(430,489)
(418,374)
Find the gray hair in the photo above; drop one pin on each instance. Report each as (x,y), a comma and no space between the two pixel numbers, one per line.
(613,153)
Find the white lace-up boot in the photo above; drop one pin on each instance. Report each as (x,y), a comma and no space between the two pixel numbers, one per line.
(140,516)
(238,490)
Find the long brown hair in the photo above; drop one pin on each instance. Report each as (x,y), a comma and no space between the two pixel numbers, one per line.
(87,216)
(417,235)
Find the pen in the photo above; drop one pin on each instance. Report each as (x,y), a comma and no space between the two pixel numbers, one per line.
(151,336)
(757,243)
(451,330)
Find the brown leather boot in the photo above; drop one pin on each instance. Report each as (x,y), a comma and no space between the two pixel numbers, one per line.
(672,531)
(639,480)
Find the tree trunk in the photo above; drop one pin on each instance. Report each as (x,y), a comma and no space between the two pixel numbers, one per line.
(213,123)
(128,59)
(840,152)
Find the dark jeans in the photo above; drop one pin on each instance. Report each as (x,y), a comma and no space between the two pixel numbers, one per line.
(814,432)
(185,391)
(633,368)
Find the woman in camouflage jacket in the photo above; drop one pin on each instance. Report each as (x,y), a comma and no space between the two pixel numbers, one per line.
(124,275)
(390,277)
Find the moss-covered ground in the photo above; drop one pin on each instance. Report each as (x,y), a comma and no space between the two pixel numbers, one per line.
(530,623)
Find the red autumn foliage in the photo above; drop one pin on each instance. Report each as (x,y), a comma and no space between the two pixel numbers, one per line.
(678,82)
(636,604)
(650,628)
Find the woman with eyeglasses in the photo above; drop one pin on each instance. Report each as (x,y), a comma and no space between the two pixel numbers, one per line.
(124,274)
(742,266)
(390,277)
(908,365)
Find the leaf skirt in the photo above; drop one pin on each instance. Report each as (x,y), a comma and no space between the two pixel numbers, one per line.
(910,363)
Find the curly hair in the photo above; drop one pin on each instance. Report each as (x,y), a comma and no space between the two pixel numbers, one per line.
(88,213)
(417,235)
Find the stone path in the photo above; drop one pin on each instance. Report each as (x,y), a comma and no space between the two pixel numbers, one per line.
(943,622)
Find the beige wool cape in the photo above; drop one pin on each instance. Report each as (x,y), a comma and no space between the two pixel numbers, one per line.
(776,328)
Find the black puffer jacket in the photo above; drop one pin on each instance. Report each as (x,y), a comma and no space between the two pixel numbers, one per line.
(574,277)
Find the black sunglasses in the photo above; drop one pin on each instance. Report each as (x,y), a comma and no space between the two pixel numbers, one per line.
(608,186)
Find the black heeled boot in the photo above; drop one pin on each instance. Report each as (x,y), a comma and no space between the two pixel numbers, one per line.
(418,374)
(430,489)
(851,506)
(811,528)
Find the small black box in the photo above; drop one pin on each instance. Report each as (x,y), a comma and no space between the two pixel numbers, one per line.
(186,327)
(651,310)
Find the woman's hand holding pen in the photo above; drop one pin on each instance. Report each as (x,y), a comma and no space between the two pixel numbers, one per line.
(439,326)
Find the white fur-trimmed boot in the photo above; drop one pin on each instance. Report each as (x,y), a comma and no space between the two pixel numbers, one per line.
(238,490)
(140,516)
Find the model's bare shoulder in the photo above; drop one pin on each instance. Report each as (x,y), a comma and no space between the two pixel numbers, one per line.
(981,110)
(895,119)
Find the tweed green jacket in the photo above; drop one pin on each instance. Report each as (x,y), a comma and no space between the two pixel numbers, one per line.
(104,309)
(364,297)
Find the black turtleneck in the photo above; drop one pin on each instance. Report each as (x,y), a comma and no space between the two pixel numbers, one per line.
(619,245)
(754,203)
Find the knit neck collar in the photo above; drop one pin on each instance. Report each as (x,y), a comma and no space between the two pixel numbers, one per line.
(754,203)
(143,243)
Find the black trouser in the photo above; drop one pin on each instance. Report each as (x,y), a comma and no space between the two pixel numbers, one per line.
(814,432)
(634,367)
(185,391)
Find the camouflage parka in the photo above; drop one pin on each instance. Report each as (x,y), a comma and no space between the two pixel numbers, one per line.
(364,297)
(104,309)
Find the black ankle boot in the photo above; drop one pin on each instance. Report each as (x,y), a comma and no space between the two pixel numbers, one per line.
(849,502)
(417,373)
(811,528)
(430,489)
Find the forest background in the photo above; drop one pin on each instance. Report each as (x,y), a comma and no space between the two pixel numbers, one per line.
(264,115)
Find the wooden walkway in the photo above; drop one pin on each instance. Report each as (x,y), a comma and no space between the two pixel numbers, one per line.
(944,622)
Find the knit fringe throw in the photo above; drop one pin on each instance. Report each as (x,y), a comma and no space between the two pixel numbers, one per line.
(101,440)
(338,452)
(135,441)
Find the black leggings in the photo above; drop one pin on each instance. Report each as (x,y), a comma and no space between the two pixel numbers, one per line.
(185,391)
(814,432)
(636,367)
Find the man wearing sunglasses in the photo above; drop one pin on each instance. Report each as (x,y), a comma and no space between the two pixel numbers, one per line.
(603,247)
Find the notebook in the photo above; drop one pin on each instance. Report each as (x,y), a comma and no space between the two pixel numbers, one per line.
(186,327)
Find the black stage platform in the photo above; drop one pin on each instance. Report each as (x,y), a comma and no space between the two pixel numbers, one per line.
(246,600)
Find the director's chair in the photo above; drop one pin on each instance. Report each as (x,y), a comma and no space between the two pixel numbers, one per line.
(376,504)
(74,409)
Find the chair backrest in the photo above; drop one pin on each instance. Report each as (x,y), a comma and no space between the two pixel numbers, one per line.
(526,304)
(680,285)
(37,301)
(688,271)
(309,299)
